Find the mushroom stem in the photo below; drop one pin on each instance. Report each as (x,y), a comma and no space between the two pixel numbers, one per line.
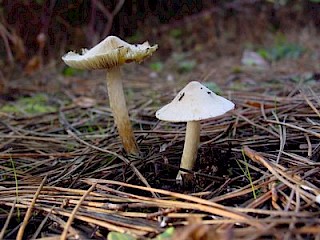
(190,148)
(120,111)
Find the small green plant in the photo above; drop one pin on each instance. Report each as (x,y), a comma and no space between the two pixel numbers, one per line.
(282,49)
(137,37)
(166,235)
(30,105)
(40,2)
(236,70)
(119,236)
(69,71)
(213,87)
(176,33)
(184,65)
(156,66)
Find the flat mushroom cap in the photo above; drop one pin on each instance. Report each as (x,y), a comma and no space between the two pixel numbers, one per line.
(110,52)
(193,103)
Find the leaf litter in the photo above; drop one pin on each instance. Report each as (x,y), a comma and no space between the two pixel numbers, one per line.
(257,172)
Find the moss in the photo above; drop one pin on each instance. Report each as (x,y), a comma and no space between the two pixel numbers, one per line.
(35,104)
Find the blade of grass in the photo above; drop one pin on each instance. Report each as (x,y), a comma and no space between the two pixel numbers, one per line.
(246,172)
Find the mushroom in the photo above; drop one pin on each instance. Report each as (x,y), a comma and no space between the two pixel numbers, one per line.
(110,54)
(193,103)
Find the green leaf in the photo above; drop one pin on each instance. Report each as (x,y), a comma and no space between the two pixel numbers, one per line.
(119,236)
(69,71)
(175,33)
(167,234)
(281,50)
(40,2)
(213,87)
(186,66)
(156,66)
(264,53)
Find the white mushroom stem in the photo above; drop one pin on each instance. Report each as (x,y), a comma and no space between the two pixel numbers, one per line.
(190,148)
(120,111)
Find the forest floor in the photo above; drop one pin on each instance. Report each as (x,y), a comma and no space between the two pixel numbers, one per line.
(63,169)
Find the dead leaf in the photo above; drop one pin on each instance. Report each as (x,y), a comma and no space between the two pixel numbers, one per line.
(33,65)
(19,48)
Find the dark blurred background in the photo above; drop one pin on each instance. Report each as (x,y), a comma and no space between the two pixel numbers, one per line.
(51,26)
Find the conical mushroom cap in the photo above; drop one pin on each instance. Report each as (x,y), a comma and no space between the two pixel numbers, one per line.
(193,103)
(110,52)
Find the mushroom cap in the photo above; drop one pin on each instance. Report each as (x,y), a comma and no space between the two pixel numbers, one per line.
(193,103)
(109,53)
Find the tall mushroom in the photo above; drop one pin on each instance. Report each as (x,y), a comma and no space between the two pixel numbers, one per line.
(193,103)
(110,54)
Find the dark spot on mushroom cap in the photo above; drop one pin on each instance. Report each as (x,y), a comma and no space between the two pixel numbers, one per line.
(182,95)
(209,92)
(201,88)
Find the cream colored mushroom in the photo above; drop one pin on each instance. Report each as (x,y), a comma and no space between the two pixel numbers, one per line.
(193,103)
(110,54)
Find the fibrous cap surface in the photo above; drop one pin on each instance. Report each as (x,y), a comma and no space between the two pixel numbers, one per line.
(109,53)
